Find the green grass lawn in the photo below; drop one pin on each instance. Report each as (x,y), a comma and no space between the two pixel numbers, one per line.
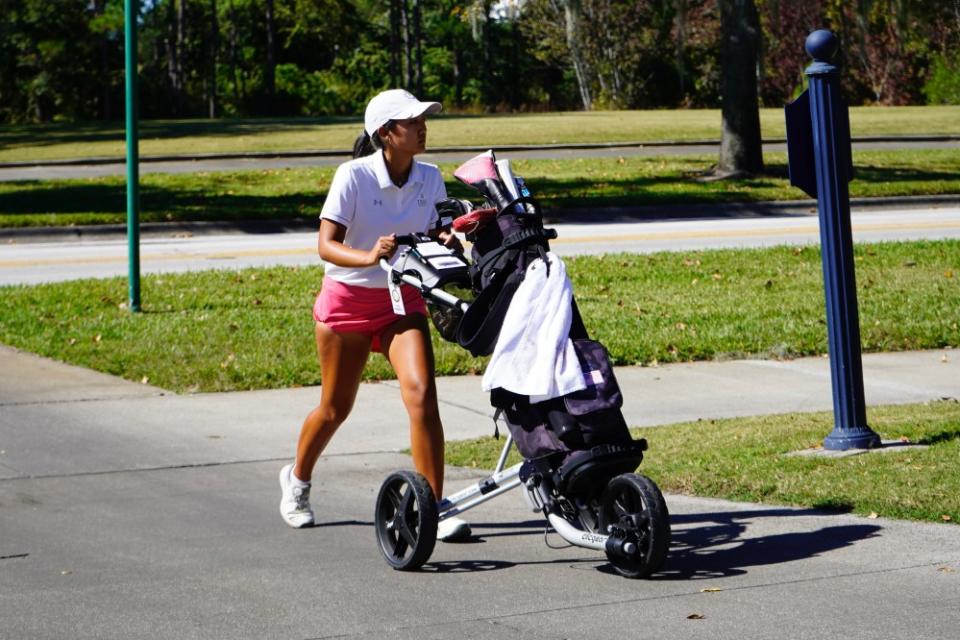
(558,184)
(19,143)
(252,329)
(749,459)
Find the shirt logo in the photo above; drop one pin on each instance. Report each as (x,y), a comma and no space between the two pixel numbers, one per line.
(378,203)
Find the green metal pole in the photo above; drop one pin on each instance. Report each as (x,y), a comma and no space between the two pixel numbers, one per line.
(131,9)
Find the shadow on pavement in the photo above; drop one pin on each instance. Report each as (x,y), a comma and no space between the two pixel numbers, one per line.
(506,529)
(708,546)
(343,523)
(716,549)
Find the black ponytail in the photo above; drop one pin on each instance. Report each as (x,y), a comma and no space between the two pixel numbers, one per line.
(365,144)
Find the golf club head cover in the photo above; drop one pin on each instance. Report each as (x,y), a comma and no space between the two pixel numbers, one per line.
(480,172)
(468,223)
(450,209)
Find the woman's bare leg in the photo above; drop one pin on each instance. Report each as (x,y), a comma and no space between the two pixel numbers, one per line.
(342,358)
(406,343)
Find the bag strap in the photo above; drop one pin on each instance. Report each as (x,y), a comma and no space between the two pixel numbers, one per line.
(480,326)
(511,246)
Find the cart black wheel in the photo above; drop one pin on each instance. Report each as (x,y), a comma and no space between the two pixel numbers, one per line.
(632,506)
(406,520)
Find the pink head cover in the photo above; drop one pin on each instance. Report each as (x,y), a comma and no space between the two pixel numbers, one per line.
(477,169)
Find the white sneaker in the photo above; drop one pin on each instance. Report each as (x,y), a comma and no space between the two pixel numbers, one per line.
(453,530)
(294,501)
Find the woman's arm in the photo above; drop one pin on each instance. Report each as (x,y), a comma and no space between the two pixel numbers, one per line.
(331,248)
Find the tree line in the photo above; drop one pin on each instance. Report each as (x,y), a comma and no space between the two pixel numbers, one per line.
(63,59)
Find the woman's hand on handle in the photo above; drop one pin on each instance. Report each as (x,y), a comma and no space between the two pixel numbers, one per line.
(331,248)
(385,247)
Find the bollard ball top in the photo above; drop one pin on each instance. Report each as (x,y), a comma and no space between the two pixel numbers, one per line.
(822,45)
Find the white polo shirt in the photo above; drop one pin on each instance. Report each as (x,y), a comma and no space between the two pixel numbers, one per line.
(364,199)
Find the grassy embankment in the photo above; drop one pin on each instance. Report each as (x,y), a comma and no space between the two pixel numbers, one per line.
(251,329)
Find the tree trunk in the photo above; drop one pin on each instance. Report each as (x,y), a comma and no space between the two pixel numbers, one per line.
(680,6)
(406,28)
(515,60)
(232,52)
(740,142)
(270,75)
(174,45)
(572,14)
(458,66)
(418,40)
(396,63)
(106,106)
(488,98)
(213,106)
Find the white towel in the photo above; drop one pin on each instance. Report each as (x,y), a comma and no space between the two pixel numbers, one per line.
(534,355)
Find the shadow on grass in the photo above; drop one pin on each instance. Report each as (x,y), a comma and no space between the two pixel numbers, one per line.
(943,436)
(587,200)
(869,173)
(157,204)
(715,545)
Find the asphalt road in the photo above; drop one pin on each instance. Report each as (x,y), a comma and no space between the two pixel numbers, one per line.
(28,259)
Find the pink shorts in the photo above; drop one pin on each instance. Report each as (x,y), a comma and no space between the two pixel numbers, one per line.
(349,308)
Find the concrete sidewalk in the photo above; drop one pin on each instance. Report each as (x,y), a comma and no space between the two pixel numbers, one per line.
(96,423)
(130,512)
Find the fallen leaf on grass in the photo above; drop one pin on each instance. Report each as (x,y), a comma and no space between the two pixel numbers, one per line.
(144,380)
(946,518)
(904,439)
(873,515)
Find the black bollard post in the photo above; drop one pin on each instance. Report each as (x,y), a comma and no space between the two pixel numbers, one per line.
(833,168)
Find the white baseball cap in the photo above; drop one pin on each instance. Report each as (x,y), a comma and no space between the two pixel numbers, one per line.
(395,104)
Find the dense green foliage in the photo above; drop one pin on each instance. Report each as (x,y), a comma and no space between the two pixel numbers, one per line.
(252,329)
(63,59)
(943,86)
